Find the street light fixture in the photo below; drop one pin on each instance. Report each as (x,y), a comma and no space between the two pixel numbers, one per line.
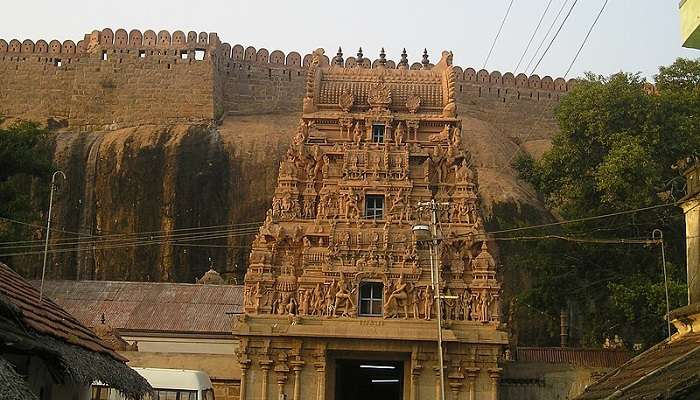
(428,234)
(48,230)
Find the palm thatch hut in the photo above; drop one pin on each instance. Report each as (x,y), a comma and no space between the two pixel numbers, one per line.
(45,353)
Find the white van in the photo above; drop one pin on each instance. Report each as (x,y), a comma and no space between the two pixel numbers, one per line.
(168,384)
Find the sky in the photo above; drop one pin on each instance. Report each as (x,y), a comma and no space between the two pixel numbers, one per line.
(631,35)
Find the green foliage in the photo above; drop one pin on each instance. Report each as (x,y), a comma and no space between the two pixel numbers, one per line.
(616,149)
(25,158)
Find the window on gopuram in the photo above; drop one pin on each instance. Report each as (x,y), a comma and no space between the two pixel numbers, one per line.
(374,206)
(378,133)
(371,298)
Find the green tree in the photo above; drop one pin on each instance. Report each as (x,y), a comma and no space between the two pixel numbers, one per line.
(618,143)
(25,161)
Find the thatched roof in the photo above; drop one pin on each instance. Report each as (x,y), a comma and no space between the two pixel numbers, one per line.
(72,352)
(12,384)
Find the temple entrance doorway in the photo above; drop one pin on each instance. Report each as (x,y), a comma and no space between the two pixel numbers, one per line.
(368,380)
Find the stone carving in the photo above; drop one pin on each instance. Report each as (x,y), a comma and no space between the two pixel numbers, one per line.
(346,100)
(399,298)
(439,164)
(379,96)
(400,134)
(357,134)
(343,297)
(315,232)
(413,103)
(442,137)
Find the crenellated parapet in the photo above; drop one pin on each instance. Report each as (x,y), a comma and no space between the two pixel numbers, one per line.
(470,76)
(192,46)
(113,67)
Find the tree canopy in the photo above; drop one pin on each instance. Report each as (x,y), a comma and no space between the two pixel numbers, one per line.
(25,160)
(617,150)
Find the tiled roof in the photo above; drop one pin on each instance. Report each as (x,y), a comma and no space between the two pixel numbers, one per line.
(149,306)
(46,317)
(595,358)
(666,371)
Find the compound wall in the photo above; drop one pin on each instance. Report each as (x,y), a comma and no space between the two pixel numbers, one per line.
(113,80)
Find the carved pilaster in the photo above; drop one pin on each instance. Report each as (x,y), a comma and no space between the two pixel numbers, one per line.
(495,375)
(438,385)
(416,369)
(320,366)
(244,361)
(456,382)
(245,364)
(472,374)
(265,365)
(281,371)
(297,366)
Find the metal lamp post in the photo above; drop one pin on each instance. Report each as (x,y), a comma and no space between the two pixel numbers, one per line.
(658,236)
(425,233)
(48,230)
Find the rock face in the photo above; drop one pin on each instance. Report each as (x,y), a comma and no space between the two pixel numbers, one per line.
(172,157)
(156,179)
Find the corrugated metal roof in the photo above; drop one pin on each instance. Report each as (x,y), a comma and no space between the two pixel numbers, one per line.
(148,306)
(47,317)
(575,356)
(666,370)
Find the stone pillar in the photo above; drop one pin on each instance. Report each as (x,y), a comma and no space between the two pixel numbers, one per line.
(471,374)
(296,367)
(244,370)
(495,375)
(281,380)
(281,370)
(438,389)
(415,375)
(456,381)
(265,365)
(320,380)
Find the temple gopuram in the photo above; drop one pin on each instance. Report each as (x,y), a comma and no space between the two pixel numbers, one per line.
(338,296)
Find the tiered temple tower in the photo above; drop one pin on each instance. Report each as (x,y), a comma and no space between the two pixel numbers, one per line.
(336,278)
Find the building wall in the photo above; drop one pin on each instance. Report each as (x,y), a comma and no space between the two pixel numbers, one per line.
(691,208)
(281,365)
(223,369)
(690,23)
(546,381)
(110,86)
(135,79)
(193,344)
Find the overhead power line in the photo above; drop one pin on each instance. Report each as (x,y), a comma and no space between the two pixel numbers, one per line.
(537,28)
(586,38)
(554,37)
(546,35)
(498,33)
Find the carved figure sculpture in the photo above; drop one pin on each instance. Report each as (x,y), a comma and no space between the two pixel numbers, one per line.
(457,138)
(416,297)
(357,134)
(439,162)
(428,302)
(317,301)
(302,134)
(400,134)
(343,296)
(352,211)
(442,137)
(397,298)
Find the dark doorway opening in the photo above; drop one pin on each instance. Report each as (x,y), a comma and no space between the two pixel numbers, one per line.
(368,380)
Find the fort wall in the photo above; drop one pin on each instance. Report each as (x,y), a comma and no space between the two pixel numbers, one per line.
(118,79)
